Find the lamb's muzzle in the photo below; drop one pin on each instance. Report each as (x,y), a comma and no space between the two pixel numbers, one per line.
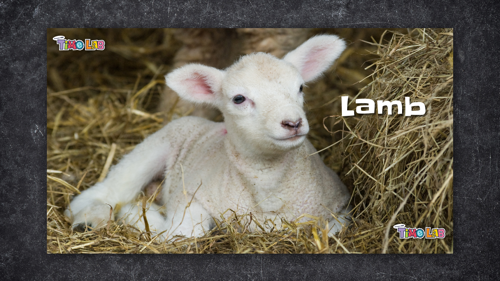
(294,126)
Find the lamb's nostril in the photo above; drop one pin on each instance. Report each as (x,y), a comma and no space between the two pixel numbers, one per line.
(290,125)
(299,123)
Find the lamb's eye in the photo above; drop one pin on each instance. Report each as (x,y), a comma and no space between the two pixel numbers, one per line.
(301,87)
(238,99)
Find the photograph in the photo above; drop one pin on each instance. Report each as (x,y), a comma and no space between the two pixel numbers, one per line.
(249,141)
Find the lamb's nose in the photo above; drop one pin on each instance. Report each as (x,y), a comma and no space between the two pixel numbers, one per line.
(290,125)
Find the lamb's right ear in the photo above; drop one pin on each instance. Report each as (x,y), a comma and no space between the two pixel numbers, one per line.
(197,83)
(316,55)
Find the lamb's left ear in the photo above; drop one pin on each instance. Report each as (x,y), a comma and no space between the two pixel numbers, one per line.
(197,83)
(316,55)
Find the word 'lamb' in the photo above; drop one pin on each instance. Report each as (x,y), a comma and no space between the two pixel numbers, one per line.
(257,161)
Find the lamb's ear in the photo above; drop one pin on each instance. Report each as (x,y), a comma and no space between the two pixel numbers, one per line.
(197,83)
(316,55)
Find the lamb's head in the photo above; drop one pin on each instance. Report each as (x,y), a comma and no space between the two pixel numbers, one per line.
(261,96)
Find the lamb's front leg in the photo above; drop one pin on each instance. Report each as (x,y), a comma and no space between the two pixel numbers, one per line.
(190,220)
(96,205)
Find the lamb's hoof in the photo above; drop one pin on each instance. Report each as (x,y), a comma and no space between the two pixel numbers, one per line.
(82,227)
(92,217)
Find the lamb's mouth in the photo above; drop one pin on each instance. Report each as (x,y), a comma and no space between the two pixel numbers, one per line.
(291,138)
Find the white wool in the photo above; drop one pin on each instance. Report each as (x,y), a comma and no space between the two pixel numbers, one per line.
(256,161)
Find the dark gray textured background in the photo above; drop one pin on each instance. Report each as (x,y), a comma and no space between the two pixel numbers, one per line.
(23,138)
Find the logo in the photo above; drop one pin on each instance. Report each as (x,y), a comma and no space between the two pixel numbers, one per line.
(419,233)
(78,45)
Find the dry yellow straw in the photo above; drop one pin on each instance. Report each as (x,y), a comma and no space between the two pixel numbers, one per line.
(109,160)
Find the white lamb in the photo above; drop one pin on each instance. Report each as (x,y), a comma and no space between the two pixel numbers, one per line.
(256,161)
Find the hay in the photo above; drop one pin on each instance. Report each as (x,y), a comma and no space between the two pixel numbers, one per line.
(101,104)
(402,167)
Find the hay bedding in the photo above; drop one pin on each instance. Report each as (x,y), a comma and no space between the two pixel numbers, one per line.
(400,169)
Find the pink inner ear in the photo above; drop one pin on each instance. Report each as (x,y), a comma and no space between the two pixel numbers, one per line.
(314,62)
(198,84)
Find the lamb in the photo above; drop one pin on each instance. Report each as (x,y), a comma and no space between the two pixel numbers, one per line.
(257,161)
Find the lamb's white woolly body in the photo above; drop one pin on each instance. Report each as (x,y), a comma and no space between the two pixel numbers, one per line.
(256,161)
(278,185)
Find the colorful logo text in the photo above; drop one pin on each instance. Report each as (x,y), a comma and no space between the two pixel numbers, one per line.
(78,45)
(419,233)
